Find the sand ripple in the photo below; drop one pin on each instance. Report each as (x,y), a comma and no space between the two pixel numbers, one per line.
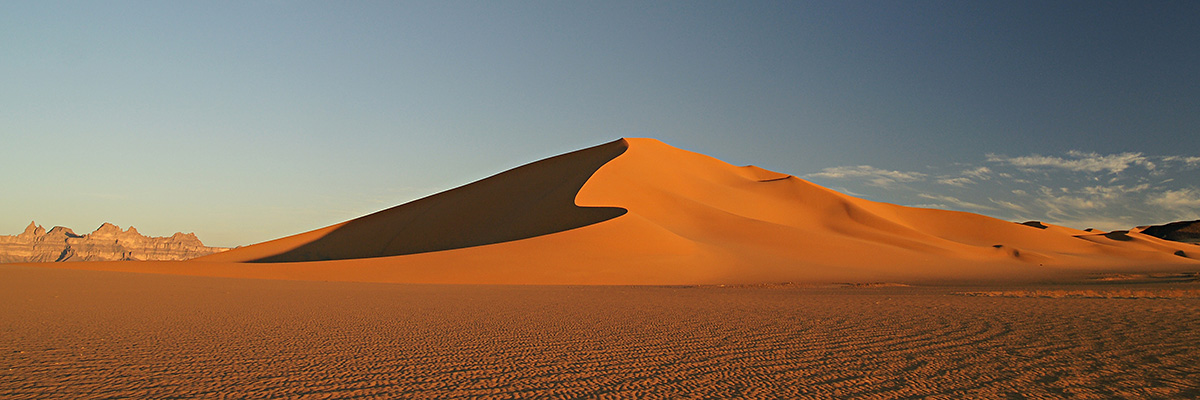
(84,334)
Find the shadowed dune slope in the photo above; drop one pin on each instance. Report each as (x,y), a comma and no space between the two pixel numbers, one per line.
(644,212)
(528,201)
(1181,231)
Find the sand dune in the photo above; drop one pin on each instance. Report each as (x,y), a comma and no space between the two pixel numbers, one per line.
(525,202)
(1180,231)
(637,211)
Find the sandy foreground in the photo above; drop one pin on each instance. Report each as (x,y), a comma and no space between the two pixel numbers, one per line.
(99,334)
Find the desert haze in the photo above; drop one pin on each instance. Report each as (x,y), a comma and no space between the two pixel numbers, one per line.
(629,269)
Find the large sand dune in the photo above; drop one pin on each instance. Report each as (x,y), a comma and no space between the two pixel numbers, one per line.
(637,211)
(629,212)
(533,200)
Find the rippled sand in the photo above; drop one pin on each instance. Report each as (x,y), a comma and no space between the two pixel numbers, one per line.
(76,334)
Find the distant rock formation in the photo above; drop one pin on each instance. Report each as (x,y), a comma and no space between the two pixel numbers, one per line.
(107,243)
(1182,231)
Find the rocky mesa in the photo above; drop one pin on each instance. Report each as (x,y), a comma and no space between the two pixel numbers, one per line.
(107,243)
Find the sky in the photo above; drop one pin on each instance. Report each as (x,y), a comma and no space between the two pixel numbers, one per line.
(247,121)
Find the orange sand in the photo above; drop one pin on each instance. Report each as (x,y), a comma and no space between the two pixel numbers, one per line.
(629,212)
(97,334)
(637,211)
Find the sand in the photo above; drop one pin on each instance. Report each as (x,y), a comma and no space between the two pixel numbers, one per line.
(633,270)
(95,334)
(533,200)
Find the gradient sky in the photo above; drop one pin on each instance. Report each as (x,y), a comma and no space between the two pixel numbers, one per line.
(250,120)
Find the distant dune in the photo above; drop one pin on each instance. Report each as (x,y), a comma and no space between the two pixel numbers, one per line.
(1182,231)
(637,211)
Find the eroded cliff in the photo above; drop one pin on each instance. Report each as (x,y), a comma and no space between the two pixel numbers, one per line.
(107,243)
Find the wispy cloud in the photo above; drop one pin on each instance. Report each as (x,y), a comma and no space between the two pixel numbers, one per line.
(1105,191)
(1078,161)
(1189,161)
(1182,199)
(848,191)
(1059,205)
(1113,192)
(959,181)
(981,173)
(1062,202)
(1011,206)
(874,176)
(955,201)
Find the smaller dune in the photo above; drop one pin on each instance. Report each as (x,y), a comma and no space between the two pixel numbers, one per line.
(1093,293)
(1122,236)
(1182,231)
(1035,224)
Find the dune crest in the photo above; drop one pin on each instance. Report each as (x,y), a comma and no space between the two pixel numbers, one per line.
(532,200)
(638,211)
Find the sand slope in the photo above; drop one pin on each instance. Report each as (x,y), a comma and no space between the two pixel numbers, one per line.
(529,201)
(648,213)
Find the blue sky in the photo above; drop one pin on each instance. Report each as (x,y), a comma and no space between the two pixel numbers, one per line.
(247,121)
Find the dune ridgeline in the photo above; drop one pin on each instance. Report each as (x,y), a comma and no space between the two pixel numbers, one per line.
(638,211)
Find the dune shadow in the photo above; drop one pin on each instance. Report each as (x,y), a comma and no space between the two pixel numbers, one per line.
(528,201)
(1035,224)
(1181,231)
(1120,236)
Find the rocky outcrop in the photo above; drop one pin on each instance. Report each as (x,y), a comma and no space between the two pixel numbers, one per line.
(1182,231)
(107,243)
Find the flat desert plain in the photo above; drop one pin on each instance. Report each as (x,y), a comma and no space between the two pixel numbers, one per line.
(102,334)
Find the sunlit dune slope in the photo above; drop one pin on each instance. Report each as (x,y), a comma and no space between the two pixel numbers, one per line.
(647,213)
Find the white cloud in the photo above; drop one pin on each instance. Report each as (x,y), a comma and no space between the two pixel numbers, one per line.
(981,173)
(1078,161)
(874,176)
(1113,192)
(1078,189)
(1189,161)
(1058,206)
(960,182)
(1010,205)
(954,201)
(1181,199)
(1072,202)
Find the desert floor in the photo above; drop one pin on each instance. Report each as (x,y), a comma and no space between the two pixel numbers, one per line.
(93,334)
